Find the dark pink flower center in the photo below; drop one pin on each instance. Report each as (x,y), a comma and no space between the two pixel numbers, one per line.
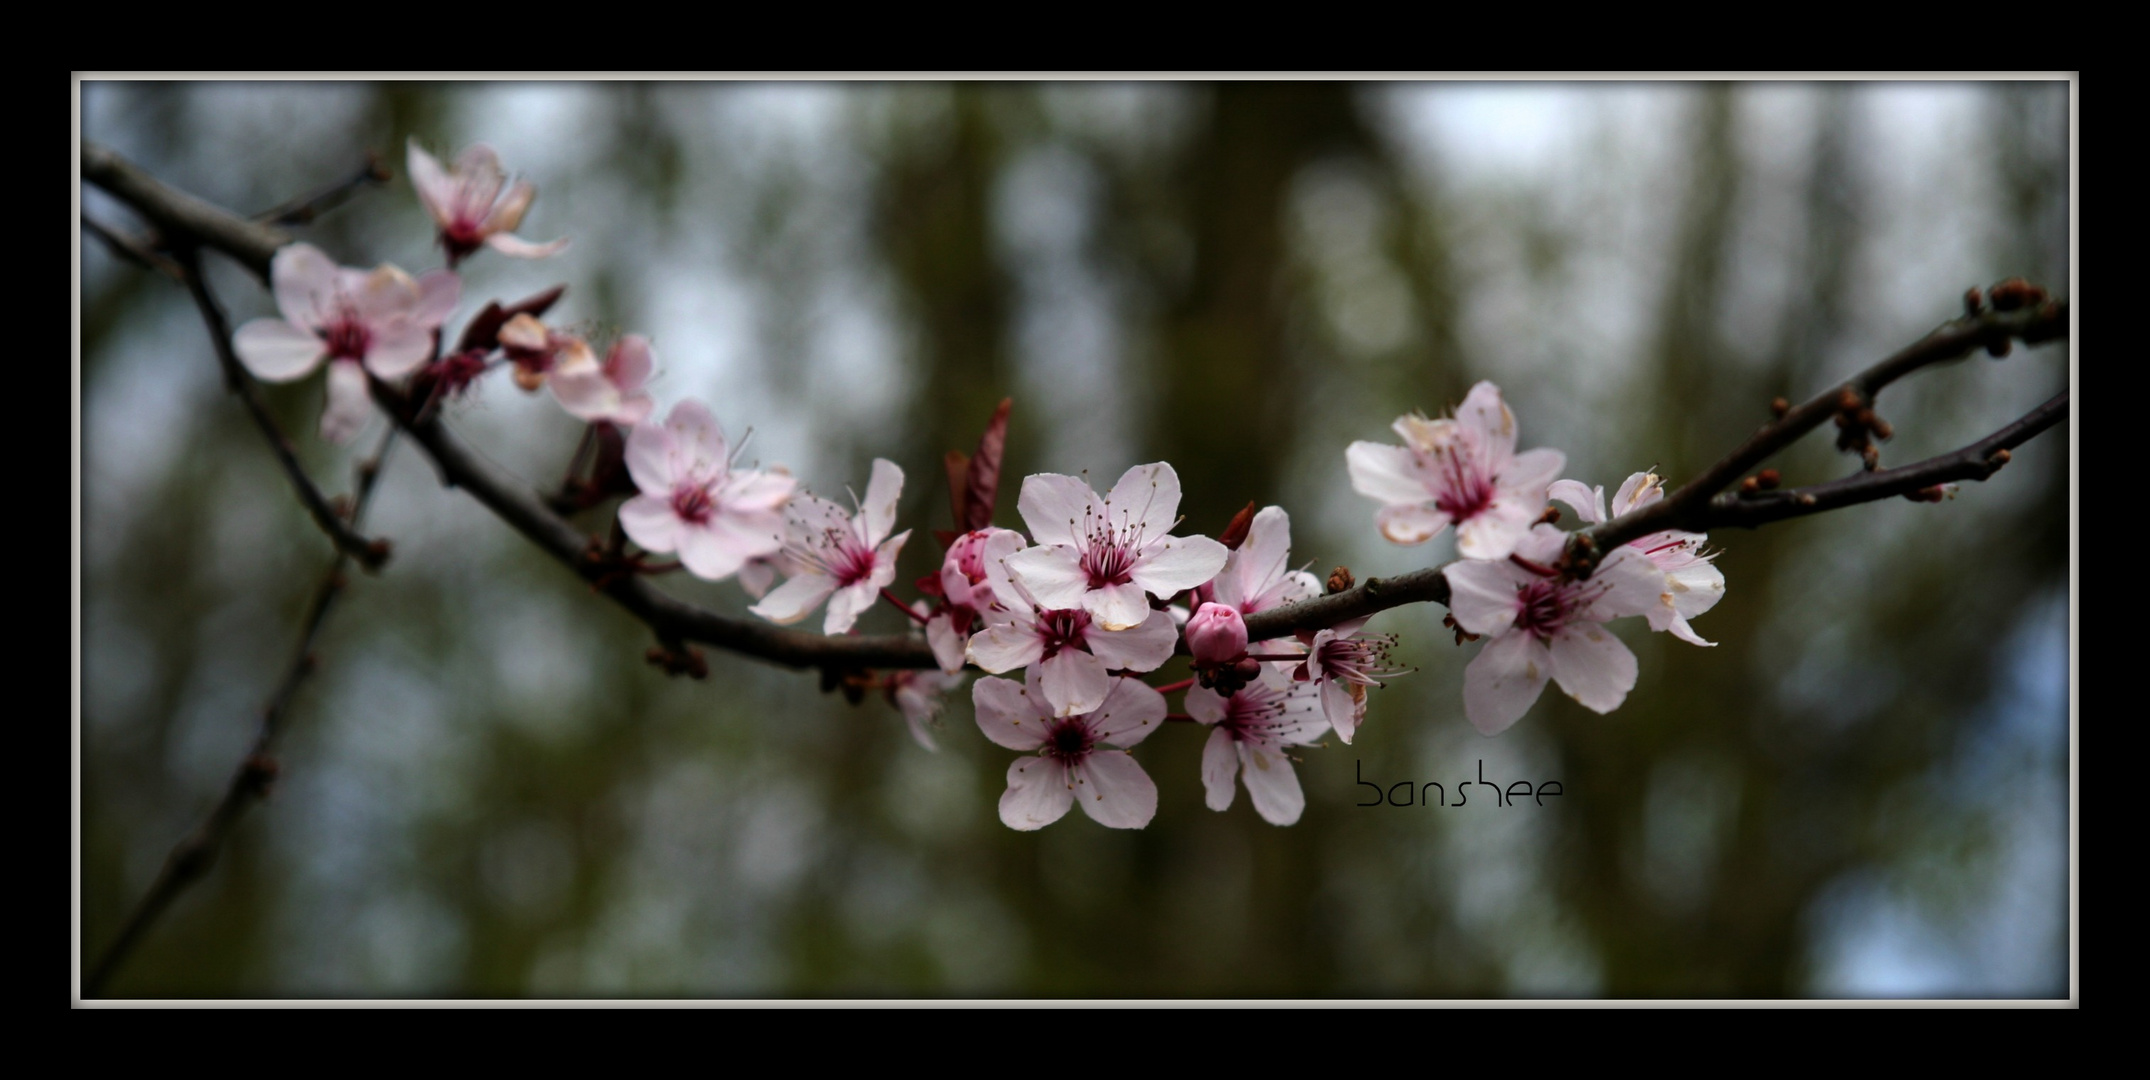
(692,502)
(1107,563)
(1544,607)
(853,561)
(1063,628)
(346,337)
(1069,741)
(1468,491)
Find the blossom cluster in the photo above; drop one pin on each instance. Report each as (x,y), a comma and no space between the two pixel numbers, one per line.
(1066,617)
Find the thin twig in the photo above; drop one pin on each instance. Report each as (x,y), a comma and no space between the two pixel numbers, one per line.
(1688,507)
(369,553)
(193,855)
(133,249)
(304,209)
(1974,462)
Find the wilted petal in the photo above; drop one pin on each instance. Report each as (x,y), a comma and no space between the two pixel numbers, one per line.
(1486,416)
(1409,524)
(516,246)
(1593,666)
(792,600)
(1271,783)
(1114,790)
(1059,509)
(1038,794)
(508,212)
(1220,770)
(1502,682)
(1640,489)
(349,405)
(1007,715)
(1388,473)
(277,351)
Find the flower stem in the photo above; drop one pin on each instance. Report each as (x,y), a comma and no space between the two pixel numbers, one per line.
(901,606)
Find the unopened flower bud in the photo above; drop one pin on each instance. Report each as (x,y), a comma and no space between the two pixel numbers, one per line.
(1216,634)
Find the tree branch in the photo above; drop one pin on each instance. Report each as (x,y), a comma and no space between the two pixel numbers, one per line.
(1689,507)
(304,209)
(180,218)
(1974,462)
(369,553)
(193,855)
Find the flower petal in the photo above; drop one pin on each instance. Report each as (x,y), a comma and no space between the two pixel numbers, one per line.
(1006,646)
(1593,666)
(1139,648)
(432,184)
(1482,595)
(1530,474)
(1038,793)
(1500,685)
(277,351)
(1409,524)
(1178,563)
(1342,708)
(1220,769)
(349,405)
(1494,532)
(1115,607)
(399,348)
(1053,576)
(847,604)
(1388,473)
(882,493)
(1132,710)
(1206,705)
(1587,502)
(1491,425)
(1073,682)
(1007,714)
(1059,509)
(792,600)
(305,284)
(948,645)
(651,451)
(1271,783)
(1146,502)
(1114,790)
(649,521)
(438,290)
(517,247)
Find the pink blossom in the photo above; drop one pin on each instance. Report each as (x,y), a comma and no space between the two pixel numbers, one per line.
(1251,730)
(1343,663)
(380,321)
(966,591)
(693,501)
(1257,575)
(1462,472)
(608,391)
(1216,635)
(759,572)
(1692,585)
(1073,761)
(839,557)
(1547,626)
(921,696)
(1067,653)
(469,207)
(1103,555)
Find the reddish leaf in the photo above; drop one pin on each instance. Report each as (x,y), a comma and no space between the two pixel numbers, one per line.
(1235,534)
(483,333)
(958,468)
(984,474)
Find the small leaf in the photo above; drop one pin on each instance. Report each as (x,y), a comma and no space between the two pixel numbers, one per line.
(1235,534)
(958,467)
(984,479)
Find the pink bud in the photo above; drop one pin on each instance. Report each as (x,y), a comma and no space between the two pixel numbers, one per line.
(1216,634)
(964,569)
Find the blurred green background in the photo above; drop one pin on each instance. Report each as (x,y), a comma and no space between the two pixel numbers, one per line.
(1862,790)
